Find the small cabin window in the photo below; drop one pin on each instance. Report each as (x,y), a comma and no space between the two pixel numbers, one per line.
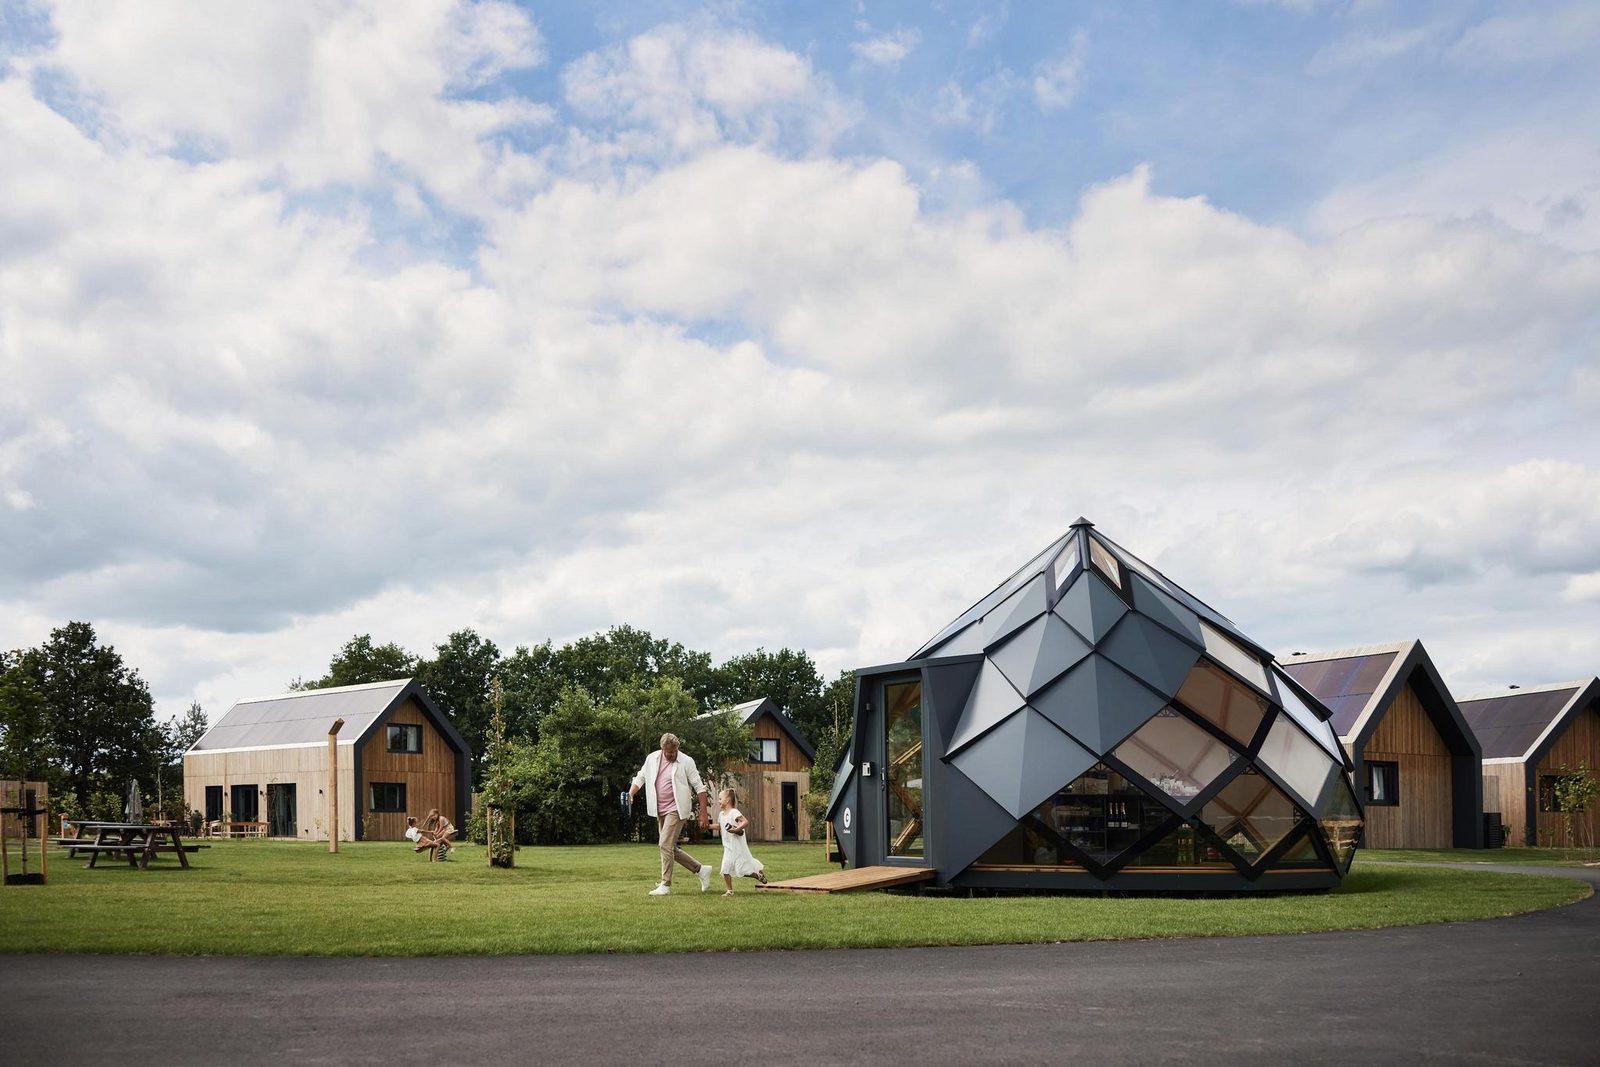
(764,750)
(387,796)
(1549,800)
(405,737)
(1383,783)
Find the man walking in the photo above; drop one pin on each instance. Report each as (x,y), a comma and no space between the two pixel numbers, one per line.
(671,783)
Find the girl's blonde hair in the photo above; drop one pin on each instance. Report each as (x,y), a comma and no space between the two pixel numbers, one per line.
(733,797)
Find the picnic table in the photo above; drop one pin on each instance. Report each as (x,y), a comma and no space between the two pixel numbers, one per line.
(138,841)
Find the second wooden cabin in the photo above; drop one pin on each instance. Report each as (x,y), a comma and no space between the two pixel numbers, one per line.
(1415,756)
(1531,737)
(770,786)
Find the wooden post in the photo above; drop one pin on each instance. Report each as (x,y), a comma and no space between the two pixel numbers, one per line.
(333,785)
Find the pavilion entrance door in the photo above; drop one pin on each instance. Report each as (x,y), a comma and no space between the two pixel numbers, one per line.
(281,820)
(903,769)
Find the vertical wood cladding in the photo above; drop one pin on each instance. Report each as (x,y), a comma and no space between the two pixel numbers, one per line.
(305,767)
(790,758)
(429,776)
(1407,737)
(1578,746)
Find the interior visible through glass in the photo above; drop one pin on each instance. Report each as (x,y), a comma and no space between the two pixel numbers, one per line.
(1099,815)
(1106,562)
(902,703)
(1251,815)
(1186,846)
(1341,823)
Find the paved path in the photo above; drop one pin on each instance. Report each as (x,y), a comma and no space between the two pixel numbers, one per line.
(1519,990)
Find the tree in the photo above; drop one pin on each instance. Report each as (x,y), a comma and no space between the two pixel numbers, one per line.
(458,679)
(25,729)
(360,662)
(786,676)
(102,720)
(532,686)
(602,663)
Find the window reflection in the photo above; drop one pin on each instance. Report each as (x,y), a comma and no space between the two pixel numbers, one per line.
(1227,652)
(1300,856)
(1295,758)
(1175,755)
(1341,824)
(1064,564)
(1106,562)
(1222,701)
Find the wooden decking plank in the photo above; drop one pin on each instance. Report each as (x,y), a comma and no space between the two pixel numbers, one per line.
(853,880)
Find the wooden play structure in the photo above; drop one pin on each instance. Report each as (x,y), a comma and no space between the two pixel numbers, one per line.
(24,814)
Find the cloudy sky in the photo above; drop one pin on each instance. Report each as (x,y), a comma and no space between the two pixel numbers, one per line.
(763,324)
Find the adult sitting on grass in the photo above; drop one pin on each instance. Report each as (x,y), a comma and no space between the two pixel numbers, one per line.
(667,777)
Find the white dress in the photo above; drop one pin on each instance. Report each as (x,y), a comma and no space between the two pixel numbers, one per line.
(736,858)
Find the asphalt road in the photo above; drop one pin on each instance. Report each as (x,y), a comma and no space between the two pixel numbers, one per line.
(1519,990)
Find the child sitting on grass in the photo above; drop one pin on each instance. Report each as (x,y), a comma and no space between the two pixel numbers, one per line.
(736,858)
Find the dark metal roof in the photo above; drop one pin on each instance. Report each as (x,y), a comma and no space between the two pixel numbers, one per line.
(1345,685)
(1509,726)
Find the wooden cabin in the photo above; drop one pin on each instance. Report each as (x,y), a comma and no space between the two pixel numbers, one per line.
(1531,737)
(1416,760)
(266,762)
(770,787)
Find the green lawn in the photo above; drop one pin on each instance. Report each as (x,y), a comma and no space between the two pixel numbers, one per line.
(1529,857)
(289,898)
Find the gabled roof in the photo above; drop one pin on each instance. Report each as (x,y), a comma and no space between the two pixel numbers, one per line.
(1522,724)
(293,720)
(751,710)
(1357,684)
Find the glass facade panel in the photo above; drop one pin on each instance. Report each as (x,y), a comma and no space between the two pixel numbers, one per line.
(1302,855)
(1175,755)
(1187,846)
(903,766)
(1227,652)
(1341,824)
(1223,702)
(1100,814)
(1064,564)
(1296,759)
(1321,732)
(1031,845)
(1106,562)
(1251,815)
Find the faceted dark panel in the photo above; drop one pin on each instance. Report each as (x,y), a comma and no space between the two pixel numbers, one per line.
(1039,653)
(993,699)
(969,822)
(1176,756)
(1251,815)
(1090,606)
(1223,701)
(946,694)
(1166,611)
(1022,761)
(1016,611)
(1098,703)
(1296,761)
(964,642)
(1149,653)
(1341,824)
(1309,720)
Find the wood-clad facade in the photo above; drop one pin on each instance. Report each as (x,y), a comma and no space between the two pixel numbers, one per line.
(1577,747)
(771,789)
(1407,738)
(1417,763)
(397,756)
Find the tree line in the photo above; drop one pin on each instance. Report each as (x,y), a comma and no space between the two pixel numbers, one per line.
(578,717)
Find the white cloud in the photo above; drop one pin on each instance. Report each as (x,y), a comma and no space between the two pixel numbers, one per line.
(1055,82)
(701,376)
(1572,30)
(887,49)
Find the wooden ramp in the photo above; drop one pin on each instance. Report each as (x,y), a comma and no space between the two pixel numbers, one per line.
(851,881)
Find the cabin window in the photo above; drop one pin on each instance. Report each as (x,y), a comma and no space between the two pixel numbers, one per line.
(387,796)
(764,750)
(405,737)
(246,801)
(213,803)
(1383,783)
(1548,800)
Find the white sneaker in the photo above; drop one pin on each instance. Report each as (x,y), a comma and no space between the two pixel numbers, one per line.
(661,890)
(705,876)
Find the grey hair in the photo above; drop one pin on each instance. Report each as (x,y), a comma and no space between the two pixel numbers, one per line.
(667,739)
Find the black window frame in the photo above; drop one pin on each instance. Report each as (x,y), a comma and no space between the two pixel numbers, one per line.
(404,729)
(1548,804)
(1393,769)
(758,750)
(399,795)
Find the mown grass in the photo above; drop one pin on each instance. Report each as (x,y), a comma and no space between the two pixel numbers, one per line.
(271,898)
(1526,857)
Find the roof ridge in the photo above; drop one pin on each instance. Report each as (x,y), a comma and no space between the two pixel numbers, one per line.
(1523,690)
(1349,653)
(296,693)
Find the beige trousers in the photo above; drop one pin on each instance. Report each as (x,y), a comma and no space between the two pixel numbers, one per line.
(669,825)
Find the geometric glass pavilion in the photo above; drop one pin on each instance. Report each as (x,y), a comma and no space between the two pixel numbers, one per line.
(1089,724)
